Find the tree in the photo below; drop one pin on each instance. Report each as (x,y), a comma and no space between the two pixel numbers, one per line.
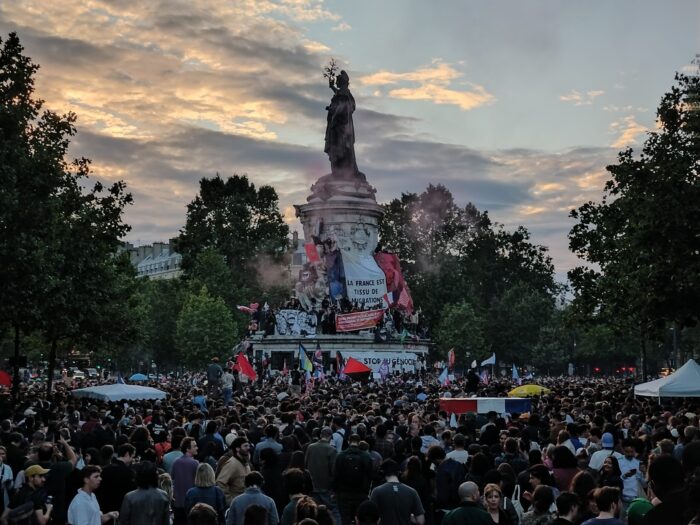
(241,222)
(56,236)
(643,265)
(164,300)
(205,329)
(514,321)
(461,328)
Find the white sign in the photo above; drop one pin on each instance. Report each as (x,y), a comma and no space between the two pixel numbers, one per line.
(365,281)
(398,361)
(294,322)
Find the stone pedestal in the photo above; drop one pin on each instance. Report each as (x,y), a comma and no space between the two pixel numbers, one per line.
(344,211)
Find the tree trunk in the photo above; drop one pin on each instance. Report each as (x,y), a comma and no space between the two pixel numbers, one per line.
(15,367)
(52,367)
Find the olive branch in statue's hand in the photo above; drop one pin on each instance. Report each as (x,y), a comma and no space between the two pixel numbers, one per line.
(330,71)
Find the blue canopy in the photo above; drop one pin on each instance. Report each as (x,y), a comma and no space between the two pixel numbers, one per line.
(138,377)
(117,392)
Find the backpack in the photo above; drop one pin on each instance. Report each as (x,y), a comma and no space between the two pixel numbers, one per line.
(353,472)
(19,513)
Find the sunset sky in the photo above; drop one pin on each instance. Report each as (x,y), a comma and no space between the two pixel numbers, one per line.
(516,106)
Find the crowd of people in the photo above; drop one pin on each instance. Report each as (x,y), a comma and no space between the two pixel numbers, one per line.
(350,453)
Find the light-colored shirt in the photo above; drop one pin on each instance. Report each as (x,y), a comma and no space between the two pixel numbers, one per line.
(598,458)
(461,456)
(84,509)
(629,484)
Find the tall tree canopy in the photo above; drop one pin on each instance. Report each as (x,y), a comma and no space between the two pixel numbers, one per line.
(58,235)
(241,222)
(641,240)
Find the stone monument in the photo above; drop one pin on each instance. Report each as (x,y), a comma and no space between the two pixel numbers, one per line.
(341,213)
(341,227)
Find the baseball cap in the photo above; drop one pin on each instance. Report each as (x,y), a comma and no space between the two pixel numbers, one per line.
(229,438)
(35,470)
(607,440)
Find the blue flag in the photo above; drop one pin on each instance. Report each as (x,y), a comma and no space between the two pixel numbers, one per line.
(444,380)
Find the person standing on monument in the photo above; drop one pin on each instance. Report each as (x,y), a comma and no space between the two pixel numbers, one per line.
(340,131)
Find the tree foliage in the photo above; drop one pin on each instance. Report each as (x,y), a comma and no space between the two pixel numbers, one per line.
(640,240)
(461,328)
(205,329)
(58,233)
(241,222)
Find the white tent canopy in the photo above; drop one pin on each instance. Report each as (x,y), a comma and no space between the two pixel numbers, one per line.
(684,382)
(119,391)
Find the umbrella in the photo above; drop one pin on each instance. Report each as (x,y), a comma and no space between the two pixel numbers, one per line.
(119,391)
(529,390)
(5,379)
(356,370)
(138,377)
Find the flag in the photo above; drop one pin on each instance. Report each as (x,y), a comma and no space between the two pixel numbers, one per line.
(485,376)
(384,369)
(245,367)
(304,362)
(453,421)
(451,358)
(405,300)
(248,309)
(490,361)
(285,370)
(318,357)
(444,380)
(388,299)
(516,376)
(120,379)
(404,335)
(474,365)
(311,252)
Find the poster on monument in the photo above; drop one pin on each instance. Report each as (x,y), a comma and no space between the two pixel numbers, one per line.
(398,361)
(364,280)
(295,322)
(358,320)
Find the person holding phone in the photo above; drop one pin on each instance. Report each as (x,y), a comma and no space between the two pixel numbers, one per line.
(632,476)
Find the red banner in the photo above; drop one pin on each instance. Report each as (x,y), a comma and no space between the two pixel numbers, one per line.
(358,320)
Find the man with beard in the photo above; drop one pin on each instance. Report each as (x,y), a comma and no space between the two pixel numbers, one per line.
(231,477)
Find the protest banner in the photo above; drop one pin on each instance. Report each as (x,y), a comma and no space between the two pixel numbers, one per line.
(358,320)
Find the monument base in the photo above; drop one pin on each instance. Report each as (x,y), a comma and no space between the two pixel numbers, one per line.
(402,357)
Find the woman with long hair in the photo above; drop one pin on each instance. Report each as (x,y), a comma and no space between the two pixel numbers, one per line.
(539,513)
(582,485)
(414,478)
(610,474)
(206,491)
(493,502)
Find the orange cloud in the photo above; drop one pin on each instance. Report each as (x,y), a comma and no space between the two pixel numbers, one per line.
(581,99)
(433,85)
(629,131)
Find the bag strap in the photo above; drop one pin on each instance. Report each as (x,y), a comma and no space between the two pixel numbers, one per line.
(516,493)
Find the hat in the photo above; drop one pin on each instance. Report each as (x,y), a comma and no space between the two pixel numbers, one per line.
(29,412)
(35,470)
(229,438)
(326,432)
(637,510)
(389,467)
(608,441)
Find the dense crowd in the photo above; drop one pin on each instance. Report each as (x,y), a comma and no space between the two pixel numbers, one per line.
(344,453)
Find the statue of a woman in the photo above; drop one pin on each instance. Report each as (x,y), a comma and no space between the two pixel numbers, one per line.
(340,132)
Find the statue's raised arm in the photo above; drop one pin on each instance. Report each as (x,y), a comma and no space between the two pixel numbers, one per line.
(340,131)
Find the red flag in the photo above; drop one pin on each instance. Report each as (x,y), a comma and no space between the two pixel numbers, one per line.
(451,357)
(285,370)
(405,300)
(312,252)
(245,367)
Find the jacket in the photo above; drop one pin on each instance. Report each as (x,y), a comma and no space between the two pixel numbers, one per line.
(231,478)
(320,462)
(145,507)
(469,513)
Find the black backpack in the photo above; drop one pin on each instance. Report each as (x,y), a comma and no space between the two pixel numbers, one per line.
(353,471)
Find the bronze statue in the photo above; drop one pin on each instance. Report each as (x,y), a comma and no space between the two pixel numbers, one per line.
(340,131)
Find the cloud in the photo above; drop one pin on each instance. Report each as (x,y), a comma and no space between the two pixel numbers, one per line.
(628,131)
(581,99)
(343,26)
(433,84)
